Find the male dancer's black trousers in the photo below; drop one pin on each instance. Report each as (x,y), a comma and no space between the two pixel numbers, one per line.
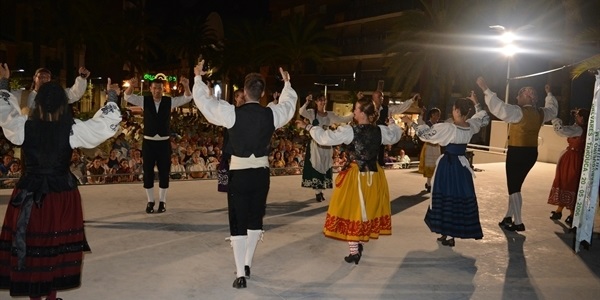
(247,199)
(156,153)
(519,161)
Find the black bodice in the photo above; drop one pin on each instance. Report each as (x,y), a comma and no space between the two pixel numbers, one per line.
(364,148)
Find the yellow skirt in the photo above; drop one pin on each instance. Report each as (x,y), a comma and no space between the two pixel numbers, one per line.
(351,217)
(428,158)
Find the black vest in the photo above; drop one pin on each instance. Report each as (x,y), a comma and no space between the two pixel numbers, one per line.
(46,155)
(365,146)
(157,122)
(252,131)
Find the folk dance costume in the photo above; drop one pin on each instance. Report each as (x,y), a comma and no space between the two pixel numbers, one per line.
(453,211)
(156,147)
(360,203)
(428,159)
(250,128)
(524,125)
(42,238)
(568,169)
(385,113)
(223,169)
(317,173)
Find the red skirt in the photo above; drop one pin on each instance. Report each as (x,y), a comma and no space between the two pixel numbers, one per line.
(55,242)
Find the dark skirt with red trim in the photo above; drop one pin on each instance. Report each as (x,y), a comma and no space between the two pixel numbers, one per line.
(55,242)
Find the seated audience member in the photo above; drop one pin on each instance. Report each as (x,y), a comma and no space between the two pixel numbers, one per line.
(78,166)
(403,160)
(96,171)
(124,173)
(197,168)
(177,169)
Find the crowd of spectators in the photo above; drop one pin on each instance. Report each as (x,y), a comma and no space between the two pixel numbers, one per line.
(196,147)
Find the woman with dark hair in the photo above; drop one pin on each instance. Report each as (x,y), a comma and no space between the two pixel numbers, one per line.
(317,173)
(42,238)
(360,204)
(430,151)
(568,169)
(453,211)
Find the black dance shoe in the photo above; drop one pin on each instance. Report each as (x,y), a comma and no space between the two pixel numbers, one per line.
(555,215)
(569,220)
(320,197)
(448,242)
(428,187)
(515,227)
(150,208)
(247,271)
(353,258)
(442,238)
(239,282)
(162,207)
(505,222)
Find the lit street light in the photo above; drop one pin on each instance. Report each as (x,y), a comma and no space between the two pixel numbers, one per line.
(507,38)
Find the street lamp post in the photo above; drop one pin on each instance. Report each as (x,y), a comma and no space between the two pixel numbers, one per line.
(509,49)
(326,85)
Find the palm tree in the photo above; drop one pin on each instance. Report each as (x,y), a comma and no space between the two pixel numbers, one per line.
(297,42)
(201,40)
(427,47)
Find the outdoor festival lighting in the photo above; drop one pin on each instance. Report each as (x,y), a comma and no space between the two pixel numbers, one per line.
(507,38)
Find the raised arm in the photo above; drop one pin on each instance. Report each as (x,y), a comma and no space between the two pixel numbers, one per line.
(506,112)
(550,105)
(284,111)
(218,112)
(11,119)
(130,97)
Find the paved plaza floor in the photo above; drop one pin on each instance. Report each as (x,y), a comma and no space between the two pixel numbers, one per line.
(183,254)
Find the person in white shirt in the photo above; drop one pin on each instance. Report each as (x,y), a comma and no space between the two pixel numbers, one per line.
(525,121)
(46,203)
(250,128)
(156,148)
(43,75)
(361,199)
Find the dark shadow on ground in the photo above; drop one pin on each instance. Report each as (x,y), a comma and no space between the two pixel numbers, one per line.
(517,284)
(406,201)
(450,275)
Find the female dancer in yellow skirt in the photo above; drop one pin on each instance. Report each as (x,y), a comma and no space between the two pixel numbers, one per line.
(430,152)
(360,203)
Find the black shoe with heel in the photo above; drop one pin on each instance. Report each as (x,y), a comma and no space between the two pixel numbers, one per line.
(448,242)
(353,258)
(239,282)
(506,222)
(442,238)
(150,208)
(555,215)
(320,197)
(515,227)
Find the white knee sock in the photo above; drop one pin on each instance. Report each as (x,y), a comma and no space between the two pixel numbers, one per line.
(150,194)
(518,204)
(238,243)
(511,204)
(254,236)
(162,193)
